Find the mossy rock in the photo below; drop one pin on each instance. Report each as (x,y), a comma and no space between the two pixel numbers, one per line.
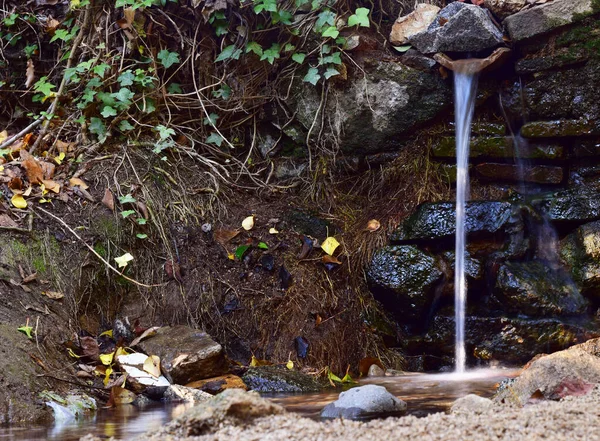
(579,204)
(278,379)
(580,251)
(496,147)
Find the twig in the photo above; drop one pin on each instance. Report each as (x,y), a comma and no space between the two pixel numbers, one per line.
(23,132)
(96,254)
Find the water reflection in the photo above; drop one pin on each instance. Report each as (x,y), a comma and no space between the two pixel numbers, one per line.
(424,393)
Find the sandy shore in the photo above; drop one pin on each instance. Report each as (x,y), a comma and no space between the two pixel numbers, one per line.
(570,419)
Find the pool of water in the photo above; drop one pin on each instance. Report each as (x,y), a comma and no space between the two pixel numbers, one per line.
(424,394)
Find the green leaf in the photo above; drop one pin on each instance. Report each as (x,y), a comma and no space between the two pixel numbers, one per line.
(215,138)
(335,58)
(223,92)
(360,18)
(43,87)
(174,88)
(265,5)
(127,199)
(141,221)
(299,57)
(167,58)
(125,126)
(271,53)
(402,49)
(141,236)
(325,18)
(101,69)
(125,214)
(164,132)
(149,105)
(282,16)
(253,46)
(27,330)
(330,72)
(108,111)
(312,76)
(211,120)
(333,377)
(240,251)
(331,31)
(263,246)
(348,379)
(124,95)
(288,47)
(230,52)
(97,128)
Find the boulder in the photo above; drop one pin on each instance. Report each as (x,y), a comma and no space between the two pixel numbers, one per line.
(473,267)
(364,402)
(537,174)
(536,289)
(580,251)
(547,17)
(459,27)
(137,378)
(403,278)
(497,147)
(218,384)
(176,393)
(375,110)
(413,23)
(504,8)
(278,379)
(579,204)
(186,354)
(375,371)
(471,404)
(233,407)
(438,220)
(555,376)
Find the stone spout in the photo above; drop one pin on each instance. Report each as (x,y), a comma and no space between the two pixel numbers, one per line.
(474,65)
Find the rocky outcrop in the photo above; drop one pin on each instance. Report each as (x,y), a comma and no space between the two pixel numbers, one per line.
(413,23)
(277,379)
(459,27)
(364,402)
(580,251)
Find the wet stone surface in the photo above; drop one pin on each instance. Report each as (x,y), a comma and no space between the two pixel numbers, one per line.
(537,174)
(276,379)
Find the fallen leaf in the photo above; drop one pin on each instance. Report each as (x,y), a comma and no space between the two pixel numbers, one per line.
(254,362)
(173,270)
(107,359)
(48,169)
(107,376)
(15,183)
(285,277)
(30,278)
(307,246)
(123,260)
(6,221)
(224,236)
(329,245)
(248,223)
(108,333)
(147,333)
(119,396)
(76,182)
(29,74)
(28,191)
(290,365)
(89,347)
(32,167)
(27,330)
(152,365)
(59,159)
(52,186)
(18,201)
(273,231)
(108,200)
(3,136)
(373,225)
(64,147)
(54,295)
(327,259)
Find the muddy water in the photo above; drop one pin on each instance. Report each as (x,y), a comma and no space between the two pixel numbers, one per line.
(424,393)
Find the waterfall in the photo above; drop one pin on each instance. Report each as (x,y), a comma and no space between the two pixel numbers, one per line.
(465,86)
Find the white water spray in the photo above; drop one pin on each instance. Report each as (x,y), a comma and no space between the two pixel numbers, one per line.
(465,85)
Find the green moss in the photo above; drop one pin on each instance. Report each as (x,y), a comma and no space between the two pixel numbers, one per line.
(105,226)
(100,249)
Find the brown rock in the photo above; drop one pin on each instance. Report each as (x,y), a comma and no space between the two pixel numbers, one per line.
(504,8)
(186,354)
(218,384)
(413,23)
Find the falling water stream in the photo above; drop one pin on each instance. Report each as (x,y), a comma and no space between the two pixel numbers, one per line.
(465,86)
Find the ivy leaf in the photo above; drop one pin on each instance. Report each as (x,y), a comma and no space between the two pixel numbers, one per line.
(174,88)
(164,132)
(141,221)
(282,16)
(125,126)
(330,72)
(312,76)
(126,78)
(97,128)
(229,52)
(253,46)
(123,260)
(43,87)
(325,18)
(141,236)
(27,330)
(289,47)
(167,58)
(101,69)
(124,95)
(263,246)
(335,58)
(360,18)
(215,138)
(223,92)
(127,199)
(108,111)
(299,57)
(271,53)
(331,31)
(211,120)
(240,251)
(125,214)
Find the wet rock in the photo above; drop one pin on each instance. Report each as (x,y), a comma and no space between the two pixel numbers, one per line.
(186,354)
(177,393)
(413,23)
(547,17)
(459,27)
(438,220)
(536,289)
(277,379)
(579,204)
(586,149)
(309,223)
(138,379)
(73,406)
(233,407)
(289,168)
(302,346)
(364,402)
(416,60)
(585,175)
(497,147)
(471,404)
(218,384)
(560,128)
(537,174)
(375,110)
(571,372)
(580,251)
(504,8)
(403,278)
(375,371)
(473,267)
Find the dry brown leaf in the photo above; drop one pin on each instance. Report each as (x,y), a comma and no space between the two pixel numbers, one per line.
(28,191)
(52,186)
(373,225)
(108,200)
(120,396)
(53,23)
(54,295)
(29,74)
(15,183)
(147,333)
(25,288)
(330,259)
(6,221)
(90,347)
(64,147)
(224,236)
(144,209)
(76,182)
(48,169)
(30,278)
(32,167)
(83,193)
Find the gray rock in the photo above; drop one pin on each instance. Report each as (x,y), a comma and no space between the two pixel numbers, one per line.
(438,220)
(403,278)
(413,23)
(580,251)
(186,354)
(177,393)
(416,60)
(277,379)
(504,8)
(364,402)
(473,267)
(375,371)
(578,204)
(372,113)
(554,376)
(547,17)
(535,289)
(459,27)
(471,404)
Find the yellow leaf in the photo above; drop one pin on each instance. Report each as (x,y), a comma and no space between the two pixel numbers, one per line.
(373,225)
(107,375)
(50,185)
(18,201)
(107,359)
(28,191)
(273,231)
(230,256)
(248,223)
(72,354)
(123,260)
(108,333)
(290,365)
(120,350)
(76,182)
(43,188)
(3,136)
(59,159)
(152,365)
(329,245)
